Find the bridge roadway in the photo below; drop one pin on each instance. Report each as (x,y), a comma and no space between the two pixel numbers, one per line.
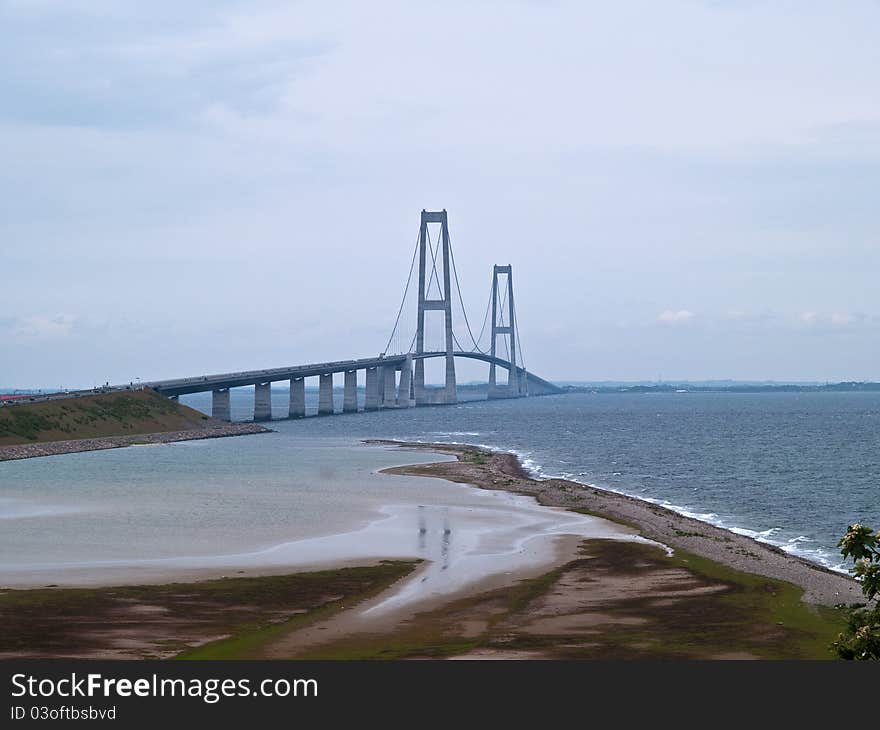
(183,386)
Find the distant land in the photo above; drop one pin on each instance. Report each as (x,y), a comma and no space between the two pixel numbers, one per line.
(721,386)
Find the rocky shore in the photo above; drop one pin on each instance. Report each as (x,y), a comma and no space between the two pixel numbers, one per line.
(52,448)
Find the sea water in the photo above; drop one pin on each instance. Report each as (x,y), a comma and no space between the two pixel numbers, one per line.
(790,469)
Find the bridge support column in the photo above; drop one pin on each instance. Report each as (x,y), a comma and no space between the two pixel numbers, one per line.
(502,328)
(450,394)
(220,404)
(522,384)
(371,398)
(263,402)
(389,387)
(297,407)
(441,303)
(404,390)
(325,395)
(419,384)
(350,398)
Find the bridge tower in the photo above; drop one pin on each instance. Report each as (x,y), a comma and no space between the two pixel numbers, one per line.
(516,386)
(442,303)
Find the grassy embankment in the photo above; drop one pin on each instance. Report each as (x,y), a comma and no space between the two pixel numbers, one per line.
(95,416)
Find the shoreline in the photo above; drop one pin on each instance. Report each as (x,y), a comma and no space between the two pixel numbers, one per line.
(14,452)
(496,470)
(597,597)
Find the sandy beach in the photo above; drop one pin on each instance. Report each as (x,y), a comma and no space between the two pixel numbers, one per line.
(524,568)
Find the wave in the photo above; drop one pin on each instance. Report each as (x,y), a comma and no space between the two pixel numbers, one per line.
(796,546)
(771,536)
(455,433)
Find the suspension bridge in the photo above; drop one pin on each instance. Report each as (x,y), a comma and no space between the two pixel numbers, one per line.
(396,378)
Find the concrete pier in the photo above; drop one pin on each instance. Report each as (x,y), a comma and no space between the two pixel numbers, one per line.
(220,404)
(263,402)
(371,399)
(325,395)
(297,398)
(350,397)
(522,384)
(419,384)
(380,385)
(389,390)
(404,394)
(450,394)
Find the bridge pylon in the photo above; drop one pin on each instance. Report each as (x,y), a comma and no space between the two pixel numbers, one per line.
(442,302)
(516,385)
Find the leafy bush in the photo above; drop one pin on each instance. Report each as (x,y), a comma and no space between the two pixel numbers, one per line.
(861,640)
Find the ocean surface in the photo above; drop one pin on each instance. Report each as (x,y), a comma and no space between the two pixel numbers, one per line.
(790,469)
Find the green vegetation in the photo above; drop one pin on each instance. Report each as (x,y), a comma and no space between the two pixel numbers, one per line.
(739,614)
(861,639)
(472,456)
(765,617)
(95,416)
(323,593)
(161,620)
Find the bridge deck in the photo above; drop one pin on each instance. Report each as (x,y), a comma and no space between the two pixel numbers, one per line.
(200,384)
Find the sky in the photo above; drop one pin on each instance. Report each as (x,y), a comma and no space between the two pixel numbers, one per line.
(685,190)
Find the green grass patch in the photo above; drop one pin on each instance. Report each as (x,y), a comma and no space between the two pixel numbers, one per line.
(175,616)
(95,416)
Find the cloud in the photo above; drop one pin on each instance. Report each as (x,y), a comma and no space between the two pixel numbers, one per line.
(837,320)
(675,316)
(44,327)
(809,317)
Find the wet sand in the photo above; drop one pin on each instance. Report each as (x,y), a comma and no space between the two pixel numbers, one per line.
(465,537)
(597,598)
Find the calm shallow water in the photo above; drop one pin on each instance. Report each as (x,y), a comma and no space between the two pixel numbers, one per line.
(791,469)
(268,502)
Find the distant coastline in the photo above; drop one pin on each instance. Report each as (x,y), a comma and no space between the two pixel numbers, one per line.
(734,387)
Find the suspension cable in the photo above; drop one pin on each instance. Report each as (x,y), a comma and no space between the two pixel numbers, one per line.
(501,317)
(522,360)
(434,275)
(485,318)
(405,291)
(461,300)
